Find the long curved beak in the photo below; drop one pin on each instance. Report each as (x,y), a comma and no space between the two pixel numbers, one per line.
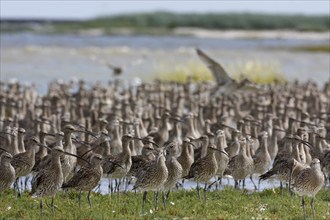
(221,151)
(3,149)
(151,142)
(306,143)
(45,146)
(17,159)
(319,136)
(93,148)
(191,144)
(117,164)
(301,141)
(81,142)
(308,123)
(73,155)
(3,132)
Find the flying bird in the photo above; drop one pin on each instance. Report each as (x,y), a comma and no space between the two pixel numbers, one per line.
(226,84)
(116,69)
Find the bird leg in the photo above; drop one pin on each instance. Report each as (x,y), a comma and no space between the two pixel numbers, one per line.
(220,180)
(89,199)
(16,187)
(218,183)
(127,182)
(303,205)
(236,184)
(156,199)
(255,186)
(182,183)
(259,184)
(79,196)
(98,188)
(168,194)
(118,183)
(199,196)
(110,187)
(144,200)
(312,206)
(40,204)
(165,198)
(205,190)
(21,184)
(209,187)
(27,178)
(53,207)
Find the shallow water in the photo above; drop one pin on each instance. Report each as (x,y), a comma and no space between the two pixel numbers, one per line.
(41,58)
(188,184)
(191,185)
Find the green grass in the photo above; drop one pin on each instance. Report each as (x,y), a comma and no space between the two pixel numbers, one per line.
(225,204)
(314,48)
(256,71)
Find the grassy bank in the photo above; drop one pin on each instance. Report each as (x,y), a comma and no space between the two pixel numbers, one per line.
(225,204)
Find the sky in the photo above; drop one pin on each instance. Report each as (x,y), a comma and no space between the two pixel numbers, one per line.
(77,9)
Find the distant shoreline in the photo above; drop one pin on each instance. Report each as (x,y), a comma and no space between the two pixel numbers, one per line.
(162,23)
(221,34)
(252,34)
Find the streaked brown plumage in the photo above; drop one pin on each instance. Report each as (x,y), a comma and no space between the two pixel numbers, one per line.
(49,180)
(152,178)
(111,162)
(21,168)
(7,171)
(309,182)
(240,166)
(173,166)
(186,159)
(203,169)
(87,178)
(262,159)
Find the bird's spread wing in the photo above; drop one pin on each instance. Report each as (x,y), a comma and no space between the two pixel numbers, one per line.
(246,84)
(219,73)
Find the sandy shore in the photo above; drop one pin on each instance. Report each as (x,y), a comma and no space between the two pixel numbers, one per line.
(248,34)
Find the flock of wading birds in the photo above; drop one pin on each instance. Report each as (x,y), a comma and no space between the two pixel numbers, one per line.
(160,133)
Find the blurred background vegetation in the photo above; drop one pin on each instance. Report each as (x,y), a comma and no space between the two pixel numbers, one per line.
(164,22)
